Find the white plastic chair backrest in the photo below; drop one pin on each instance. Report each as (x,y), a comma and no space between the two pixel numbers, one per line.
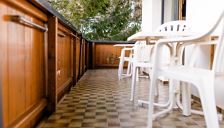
(218,63)
(142,52)
(174,26)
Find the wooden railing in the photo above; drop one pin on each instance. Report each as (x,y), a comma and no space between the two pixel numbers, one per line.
(105,54)
(42,57)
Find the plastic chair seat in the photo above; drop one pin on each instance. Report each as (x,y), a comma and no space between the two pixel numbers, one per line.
(184,73)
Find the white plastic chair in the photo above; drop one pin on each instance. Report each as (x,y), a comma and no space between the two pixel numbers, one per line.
(124,59)
(128,59)
(169,28)
(203,79)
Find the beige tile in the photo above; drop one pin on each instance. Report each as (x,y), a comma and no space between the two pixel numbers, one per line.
(99,100)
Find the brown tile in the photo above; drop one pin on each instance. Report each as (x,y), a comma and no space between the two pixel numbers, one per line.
(100,100)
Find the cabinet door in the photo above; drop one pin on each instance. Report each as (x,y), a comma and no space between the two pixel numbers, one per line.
(64,60)
(23,67)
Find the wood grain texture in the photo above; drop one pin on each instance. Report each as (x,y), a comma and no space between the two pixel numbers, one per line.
(52,57)
(74,58)
(27,8)
(78,45)
(64,59)
(106,55)
(4,63)
(23,60)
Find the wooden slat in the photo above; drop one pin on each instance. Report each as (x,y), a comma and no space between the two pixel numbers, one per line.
(22,47)
(52,57)
(46,61)
(83,56)
(73,39)
(1,82)
(16,62)
(28,8)
(3,64)
(78,43)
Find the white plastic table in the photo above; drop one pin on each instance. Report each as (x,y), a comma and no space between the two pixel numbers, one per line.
(123,45)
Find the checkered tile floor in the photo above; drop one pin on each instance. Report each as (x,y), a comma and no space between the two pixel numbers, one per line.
(99,100)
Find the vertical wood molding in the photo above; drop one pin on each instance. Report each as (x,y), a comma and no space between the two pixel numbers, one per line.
(46,61)
(77,43)
(93,55)
(1,72)
(52,65)
(80,57)
(83,55)
(1,102)
(74,60)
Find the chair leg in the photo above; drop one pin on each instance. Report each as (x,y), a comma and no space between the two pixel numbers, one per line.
(208,104)
(137,75)
(186,99)
(120,68)
(133,82)
(152,86)
(129,69)
(157,89)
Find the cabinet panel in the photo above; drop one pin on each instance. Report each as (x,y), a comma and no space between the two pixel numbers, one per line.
(64,59)
(23,67)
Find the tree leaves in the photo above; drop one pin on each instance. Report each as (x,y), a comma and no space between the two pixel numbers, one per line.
(100,19)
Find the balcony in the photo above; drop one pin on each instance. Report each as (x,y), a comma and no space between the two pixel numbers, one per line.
(99,99)
(52,76)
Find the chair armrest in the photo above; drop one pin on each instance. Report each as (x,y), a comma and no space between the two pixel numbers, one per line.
(124,50)
(198,39)
(182,41)
(127,49)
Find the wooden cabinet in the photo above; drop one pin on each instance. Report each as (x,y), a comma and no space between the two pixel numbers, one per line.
(64,61)
(22,64)
(62,46)
(41,57)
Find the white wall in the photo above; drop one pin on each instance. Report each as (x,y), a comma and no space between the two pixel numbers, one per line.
(168,10)
(201,14)
(151,15)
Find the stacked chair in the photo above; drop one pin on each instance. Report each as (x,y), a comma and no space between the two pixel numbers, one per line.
(203,79)
(144,59)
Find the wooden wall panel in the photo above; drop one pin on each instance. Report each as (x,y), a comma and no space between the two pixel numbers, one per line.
(64,60)
(106,55)
(83,56)
(23,68)
(78,45)
(87,58)
(73,59)
(52,83)
(3,66)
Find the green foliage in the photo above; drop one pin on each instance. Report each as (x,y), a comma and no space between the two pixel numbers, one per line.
(100,19)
